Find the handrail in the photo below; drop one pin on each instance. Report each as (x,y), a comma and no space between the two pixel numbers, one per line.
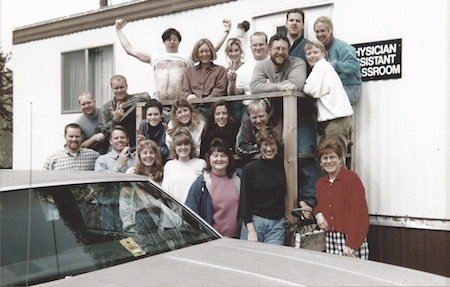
(240,97)
(289,135)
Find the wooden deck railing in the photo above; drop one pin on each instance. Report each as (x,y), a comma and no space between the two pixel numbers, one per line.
(289,135)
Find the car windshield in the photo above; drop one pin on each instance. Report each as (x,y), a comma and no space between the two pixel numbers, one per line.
(53,232)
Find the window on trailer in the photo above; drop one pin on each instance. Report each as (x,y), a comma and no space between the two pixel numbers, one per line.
(87,70)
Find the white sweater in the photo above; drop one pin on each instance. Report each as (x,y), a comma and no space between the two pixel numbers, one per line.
(325,85)
(179,176)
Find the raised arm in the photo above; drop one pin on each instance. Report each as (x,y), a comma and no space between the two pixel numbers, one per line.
(144,57)
(224,35)
(233,78)
(88,143)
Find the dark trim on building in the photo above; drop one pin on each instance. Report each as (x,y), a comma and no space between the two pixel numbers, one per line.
(421,249)
(106,17)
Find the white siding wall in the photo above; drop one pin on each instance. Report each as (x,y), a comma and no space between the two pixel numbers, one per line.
(401,136)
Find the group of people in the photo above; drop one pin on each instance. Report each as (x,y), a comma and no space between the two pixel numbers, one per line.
(189,149)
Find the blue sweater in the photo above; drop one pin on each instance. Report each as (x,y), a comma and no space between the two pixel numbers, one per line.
(344,61)
(199,197)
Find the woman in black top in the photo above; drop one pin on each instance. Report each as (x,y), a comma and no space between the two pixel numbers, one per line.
(152,127)
(220,124)
(263,191)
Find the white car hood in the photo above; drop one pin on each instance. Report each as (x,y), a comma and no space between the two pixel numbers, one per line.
(232,262)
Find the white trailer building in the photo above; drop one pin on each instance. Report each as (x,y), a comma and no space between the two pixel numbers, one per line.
(401,136)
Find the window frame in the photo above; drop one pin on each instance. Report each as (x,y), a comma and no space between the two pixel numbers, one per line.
(88,85)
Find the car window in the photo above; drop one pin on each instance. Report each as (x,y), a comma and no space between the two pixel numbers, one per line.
(49,233)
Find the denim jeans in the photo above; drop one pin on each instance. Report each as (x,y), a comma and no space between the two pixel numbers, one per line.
(269,231)
(353,92)
(307,178)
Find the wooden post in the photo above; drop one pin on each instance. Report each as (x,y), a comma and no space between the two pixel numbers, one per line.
(290,152)
(139,118)
(289,138)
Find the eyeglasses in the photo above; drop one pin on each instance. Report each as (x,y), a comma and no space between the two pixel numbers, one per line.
(326,158)
(280,49)
(266,145)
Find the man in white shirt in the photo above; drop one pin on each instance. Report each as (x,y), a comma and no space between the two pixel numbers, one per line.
(241,84)
(169,66)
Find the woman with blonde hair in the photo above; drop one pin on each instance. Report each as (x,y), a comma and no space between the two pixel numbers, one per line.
(133,203)
(183,168)
(185,116)
(333,106)
(148,161)
(205,79)
(235,54)
(341,56)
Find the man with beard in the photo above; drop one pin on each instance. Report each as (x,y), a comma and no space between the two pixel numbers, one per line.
(279,73)
(286,73)
(72,156)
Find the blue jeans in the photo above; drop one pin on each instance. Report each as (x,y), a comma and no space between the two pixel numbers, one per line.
(307,177)
(269,231)
(353,92)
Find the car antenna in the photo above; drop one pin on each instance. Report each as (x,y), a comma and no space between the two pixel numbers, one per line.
(29,194)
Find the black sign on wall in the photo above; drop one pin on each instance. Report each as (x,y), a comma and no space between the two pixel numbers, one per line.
(380,60)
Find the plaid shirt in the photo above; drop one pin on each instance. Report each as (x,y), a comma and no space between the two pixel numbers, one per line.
(63,160)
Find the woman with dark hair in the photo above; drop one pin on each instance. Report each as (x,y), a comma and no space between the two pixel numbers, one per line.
(220,124)
(215,193)
(183,168)
(152,127)
(263,191)
(184,116)
(341,205)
